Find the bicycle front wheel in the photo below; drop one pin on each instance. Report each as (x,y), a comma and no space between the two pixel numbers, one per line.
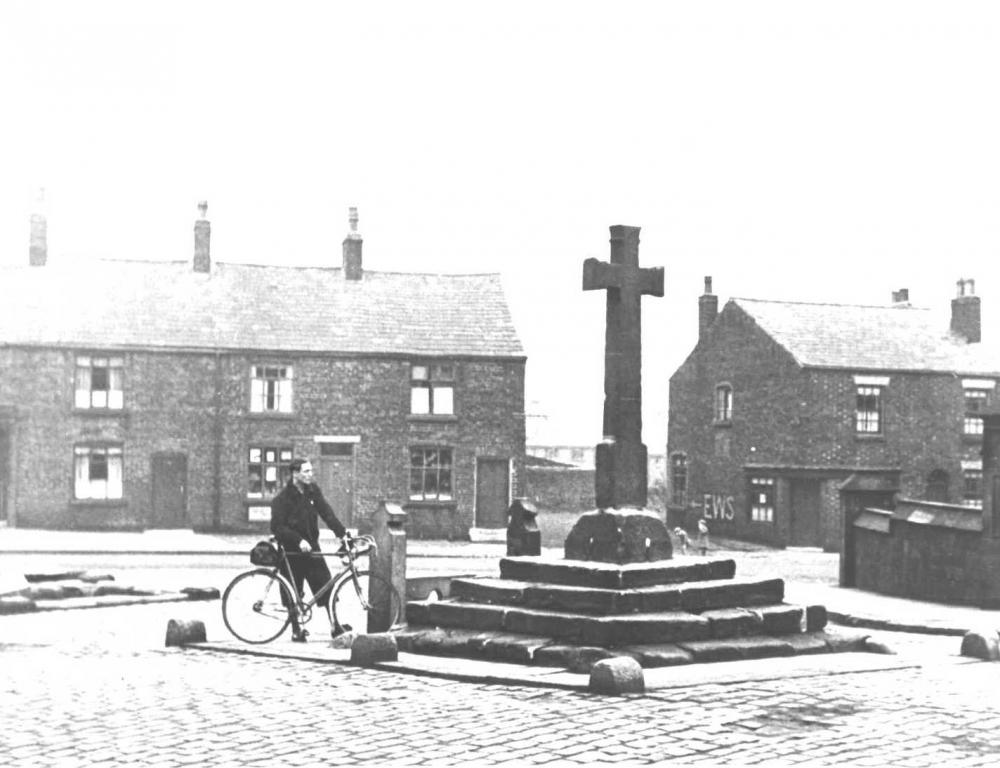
(371,604)
(255,606)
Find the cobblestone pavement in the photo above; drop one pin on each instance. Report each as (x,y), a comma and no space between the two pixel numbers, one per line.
(103,690)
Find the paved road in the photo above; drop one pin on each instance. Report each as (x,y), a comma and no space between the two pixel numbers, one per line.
(97,687)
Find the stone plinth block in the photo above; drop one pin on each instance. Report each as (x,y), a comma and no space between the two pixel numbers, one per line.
(815,617)
(181,632)
(616,676)
(780,619)
(575,658)
(578,573)
(523,536)
(982,644)
(369,649)
(16,604)
(619,536)
(733,622)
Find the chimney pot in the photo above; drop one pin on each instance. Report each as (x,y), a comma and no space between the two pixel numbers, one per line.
(708,308)
(202,240)
(38,243)
(966,312)
(353,269)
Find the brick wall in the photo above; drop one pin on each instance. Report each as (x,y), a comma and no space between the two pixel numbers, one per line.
(560,489)
(789,422)
(197,404)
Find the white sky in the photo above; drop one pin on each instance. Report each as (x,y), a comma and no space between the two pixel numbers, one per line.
(793,150)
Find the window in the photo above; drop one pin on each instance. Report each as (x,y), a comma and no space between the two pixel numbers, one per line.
(267,471)
(678,479)
(976,401)
(723,403)
(972,492)
(97,472)
(430,474)
(271,389)
(432,389)
(868,411)
(762,499)
(99,382)
(937,485)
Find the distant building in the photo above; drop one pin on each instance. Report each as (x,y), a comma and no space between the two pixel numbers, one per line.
(782,404)
(142,394)
(583,456)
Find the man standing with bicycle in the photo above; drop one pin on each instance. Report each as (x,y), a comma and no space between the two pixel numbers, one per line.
(295,514)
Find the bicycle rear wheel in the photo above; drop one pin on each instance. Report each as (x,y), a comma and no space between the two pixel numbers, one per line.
(371,605)
(255,606)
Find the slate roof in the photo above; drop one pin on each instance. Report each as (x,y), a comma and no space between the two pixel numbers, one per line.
(870,337)
(123,303)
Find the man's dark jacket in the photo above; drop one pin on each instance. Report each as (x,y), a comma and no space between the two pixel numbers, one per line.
(295,516)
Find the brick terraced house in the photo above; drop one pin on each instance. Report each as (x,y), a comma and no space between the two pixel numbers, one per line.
(781,405)
(139,394)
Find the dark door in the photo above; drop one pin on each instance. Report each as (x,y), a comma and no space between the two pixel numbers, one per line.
(492,492)
(336,479)
(169,490)
(5,471)
(805,513)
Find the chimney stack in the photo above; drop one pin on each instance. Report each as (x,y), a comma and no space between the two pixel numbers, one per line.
(38,245)
(202,237)
(352,249)
(966,314)
(708,308)
(901,298)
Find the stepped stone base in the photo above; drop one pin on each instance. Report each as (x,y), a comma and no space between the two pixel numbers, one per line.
(574,613)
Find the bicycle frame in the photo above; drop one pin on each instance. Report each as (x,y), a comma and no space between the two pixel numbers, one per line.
(303,608)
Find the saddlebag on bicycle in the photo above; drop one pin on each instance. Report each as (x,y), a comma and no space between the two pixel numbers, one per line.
(264,553)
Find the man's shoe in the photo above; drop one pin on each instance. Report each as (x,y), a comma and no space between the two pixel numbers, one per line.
(300,636)
(340,630)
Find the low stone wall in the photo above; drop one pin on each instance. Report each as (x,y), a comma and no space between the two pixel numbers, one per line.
(926,551)
(560,489)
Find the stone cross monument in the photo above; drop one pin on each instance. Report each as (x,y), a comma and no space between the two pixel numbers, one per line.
(621,530)
(620,479)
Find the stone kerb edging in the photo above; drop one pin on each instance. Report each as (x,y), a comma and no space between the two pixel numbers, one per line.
(982,644)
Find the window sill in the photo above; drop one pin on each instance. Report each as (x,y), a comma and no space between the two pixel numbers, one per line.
(432,417)
(273,415)
(869,437)
(727,423)
(98,502)
(972,439)
(99,412)
(424,504)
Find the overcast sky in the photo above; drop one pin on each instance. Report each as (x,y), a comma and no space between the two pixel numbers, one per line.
(829,152)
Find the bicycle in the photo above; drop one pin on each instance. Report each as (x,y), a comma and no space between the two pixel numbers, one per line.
(258,605)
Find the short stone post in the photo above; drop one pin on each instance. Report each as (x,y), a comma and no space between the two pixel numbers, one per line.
(389,561)
(182,632)
(523,536)
(616,676)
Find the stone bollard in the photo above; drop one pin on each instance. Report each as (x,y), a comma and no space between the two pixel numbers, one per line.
(370,649)
(389,561)
(181,632)
(523,536)
(616,676)
(983,644)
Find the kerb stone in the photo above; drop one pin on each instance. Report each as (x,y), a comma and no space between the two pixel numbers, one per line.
(181,632)
(372,648)
(617,676)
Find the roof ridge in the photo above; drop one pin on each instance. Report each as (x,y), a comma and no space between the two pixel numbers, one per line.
(828,304)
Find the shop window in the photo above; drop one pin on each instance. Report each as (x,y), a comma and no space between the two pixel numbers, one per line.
(267,471)
(762,499)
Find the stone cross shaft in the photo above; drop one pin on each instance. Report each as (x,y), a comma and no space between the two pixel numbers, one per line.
(620,479)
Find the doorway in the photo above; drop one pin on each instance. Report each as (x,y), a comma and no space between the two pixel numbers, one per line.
(492,492)
(804,513)
(336,479)
(169,490)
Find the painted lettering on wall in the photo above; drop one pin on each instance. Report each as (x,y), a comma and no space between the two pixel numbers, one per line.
(718,506)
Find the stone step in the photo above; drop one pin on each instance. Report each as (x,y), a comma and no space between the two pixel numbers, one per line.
(620,629)
(691,597)
(585,573)
(530,649)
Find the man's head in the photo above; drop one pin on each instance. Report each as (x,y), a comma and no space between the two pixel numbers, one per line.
(302,472)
